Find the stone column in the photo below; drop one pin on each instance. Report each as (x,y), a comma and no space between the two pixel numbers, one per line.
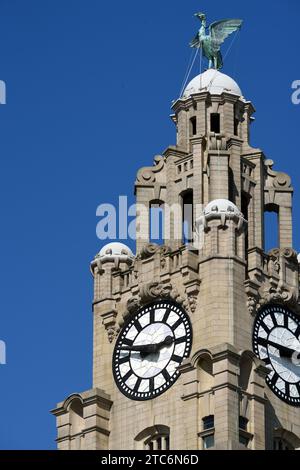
(218,175)
(226,371)
(285,227)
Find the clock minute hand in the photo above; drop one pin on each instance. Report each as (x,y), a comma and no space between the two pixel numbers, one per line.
(139,348)
(166,342)
(149,348)
(284,350)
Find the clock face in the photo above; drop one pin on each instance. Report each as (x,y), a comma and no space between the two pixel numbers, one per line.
(276,340)
(149,349)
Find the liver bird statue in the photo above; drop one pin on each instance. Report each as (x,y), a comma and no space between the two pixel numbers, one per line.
(210,43)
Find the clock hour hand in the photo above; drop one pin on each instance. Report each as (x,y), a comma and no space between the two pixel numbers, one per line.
(284,350)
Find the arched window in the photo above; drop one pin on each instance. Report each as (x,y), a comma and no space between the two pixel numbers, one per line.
(187,216)
(76,416)
(205,373)
(154,438)
(281,444)
(285,440)
(246,364)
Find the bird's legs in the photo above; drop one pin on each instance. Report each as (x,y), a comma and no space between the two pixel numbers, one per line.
(210,64)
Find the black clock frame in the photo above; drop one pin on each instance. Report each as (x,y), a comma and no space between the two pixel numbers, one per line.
(163,303)
(262,313)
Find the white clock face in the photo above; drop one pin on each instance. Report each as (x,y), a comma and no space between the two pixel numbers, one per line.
(276,340)
(150,348)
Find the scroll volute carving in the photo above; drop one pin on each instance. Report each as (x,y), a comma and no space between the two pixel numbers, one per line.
(150,249)
(146,174)
(276,179)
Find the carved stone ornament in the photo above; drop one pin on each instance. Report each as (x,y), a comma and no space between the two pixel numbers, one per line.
(287,253)
(217,142)
(155,290)
(150,249)
(279,282)
(192,301)
(280,294)
(252,304)
(276,179)
(146,174)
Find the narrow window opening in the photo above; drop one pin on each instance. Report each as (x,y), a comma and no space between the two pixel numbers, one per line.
(187,217)
(208,422)
(245,205)
(156,222)
(208,438)
(208,441)
(236,126)
(193,126)
(215,123)
(243,423)
(271,227)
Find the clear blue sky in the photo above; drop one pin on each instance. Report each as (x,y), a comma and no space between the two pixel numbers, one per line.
(89,89)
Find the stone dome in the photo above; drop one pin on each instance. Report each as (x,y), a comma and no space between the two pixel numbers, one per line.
(115,249)
(221,206)
(213,81)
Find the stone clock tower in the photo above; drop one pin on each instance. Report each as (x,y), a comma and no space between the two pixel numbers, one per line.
(197,347)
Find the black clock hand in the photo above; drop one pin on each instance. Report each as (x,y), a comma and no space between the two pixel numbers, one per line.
(166,342)
(140,348)
(284,350)
(149,348)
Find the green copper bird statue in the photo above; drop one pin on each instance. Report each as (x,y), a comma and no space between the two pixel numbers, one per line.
(210,43)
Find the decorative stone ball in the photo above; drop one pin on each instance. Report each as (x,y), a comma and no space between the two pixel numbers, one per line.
(115,250)
(221,206)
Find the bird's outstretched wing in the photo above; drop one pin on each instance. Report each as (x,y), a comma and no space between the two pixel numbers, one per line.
(220,30)
(195,42)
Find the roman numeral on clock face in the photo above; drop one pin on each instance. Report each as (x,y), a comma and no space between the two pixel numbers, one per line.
(123,360)
(274,379)
(272,315)
(127,341)
(176,324)
(176,358)
(287,388)
(180,340)
(166,315)
(151,384)
(138,326)
(126,376)
(166,375)
(137,384)
(152,315)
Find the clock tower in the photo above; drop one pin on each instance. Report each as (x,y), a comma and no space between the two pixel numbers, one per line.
(196,339)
